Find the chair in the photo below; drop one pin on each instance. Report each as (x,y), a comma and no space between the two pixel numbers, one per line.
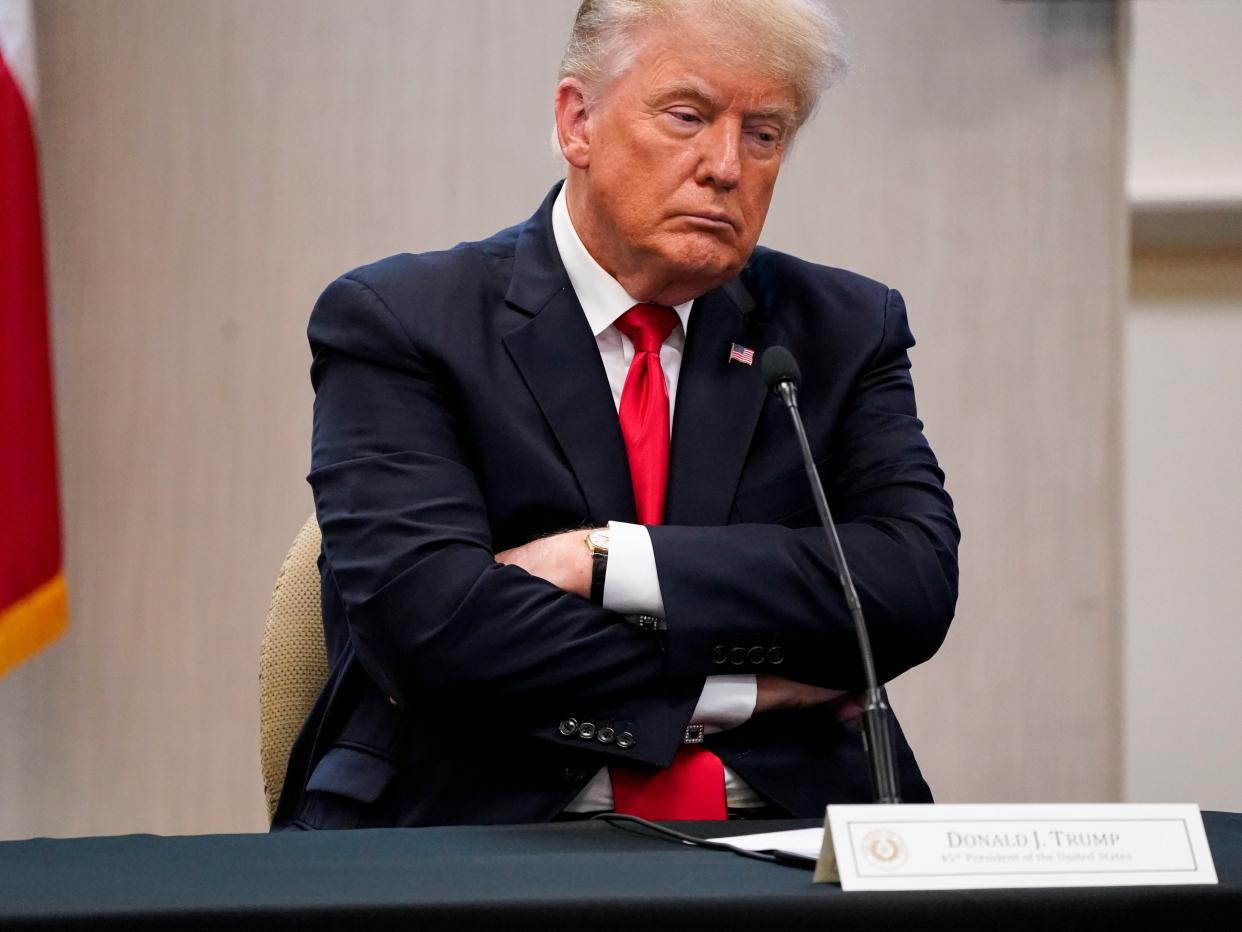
(293,665)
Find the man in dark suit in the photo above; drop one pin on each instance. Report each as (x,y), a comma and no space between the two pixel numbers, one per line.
(570,558)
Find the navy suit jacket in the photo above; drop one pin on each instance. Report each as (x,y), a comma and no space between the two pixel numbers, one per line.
(462,408)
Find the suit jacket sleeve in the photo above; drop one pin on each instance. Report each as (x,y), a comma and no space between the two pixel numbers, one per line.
(406,539)
(730,589)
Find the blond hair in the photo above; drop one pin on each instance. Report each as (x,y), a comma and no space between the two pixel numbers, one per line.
(797,41)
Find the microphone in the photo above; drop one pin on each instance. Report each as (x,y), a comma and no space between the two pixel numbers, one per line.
(780,371)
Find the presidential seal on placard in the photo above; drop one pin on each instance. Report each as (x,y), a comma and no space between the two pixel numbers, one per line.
(884,849)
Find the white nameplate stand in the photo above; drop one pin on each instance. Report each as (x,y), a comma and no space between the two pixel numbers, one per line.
(962,847)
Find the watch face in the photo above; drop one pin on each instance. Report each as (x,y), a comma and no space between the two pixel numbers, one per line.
(598,540)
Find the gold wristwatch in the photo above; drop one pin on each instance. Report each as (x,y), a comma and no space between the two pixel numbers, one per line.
(597,544)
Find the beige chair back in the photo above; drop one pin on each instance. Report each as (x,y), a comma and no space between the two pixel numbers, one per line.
(292,663)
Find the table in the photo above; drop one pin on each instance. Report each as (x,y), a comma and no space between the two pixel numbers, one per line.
(584,875)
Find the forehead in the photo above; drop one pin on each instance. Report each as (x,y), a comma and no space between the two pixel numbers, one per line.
(693,62)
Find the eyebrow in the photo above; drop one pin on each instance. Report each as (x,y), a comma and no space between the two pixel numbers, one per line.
(691,88)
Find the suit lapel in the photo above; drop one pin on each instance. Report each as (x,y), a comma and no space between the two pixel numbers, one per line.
(559,360)
(718,405)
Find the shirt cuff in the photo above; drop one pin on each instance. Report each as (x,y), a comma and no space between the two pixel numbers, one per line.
(726,702)
(631,585)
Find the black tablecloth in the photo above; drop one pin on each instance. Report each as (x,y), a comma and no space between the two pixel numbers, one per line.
(584,875)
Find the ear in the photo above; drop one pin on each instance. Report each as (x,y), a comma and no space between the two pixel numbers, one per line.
(572,123)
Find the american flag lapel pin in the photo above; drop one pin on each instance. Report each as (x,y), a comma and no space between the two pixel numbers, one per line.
(743,354)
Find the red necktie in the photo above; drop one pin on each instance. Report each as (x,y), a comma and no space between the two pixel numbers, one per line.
(693,786)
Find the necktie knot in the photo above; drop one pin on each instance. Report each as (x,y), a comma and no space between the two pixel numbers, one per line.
(647,326)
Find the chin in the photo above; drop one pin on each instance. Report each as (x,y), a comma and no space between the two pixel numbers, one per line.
(712,262)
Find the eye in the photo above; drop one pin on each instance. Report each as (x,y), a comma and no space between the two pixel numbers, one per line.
(685,117)
(764,136)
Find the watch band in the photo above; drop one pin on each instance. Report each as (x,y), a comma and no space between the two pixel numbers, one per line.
(599,569)
(597,543)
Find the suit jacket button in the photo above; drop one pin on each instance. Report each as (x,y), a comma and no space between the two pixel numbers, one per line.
(568,727)
(737,656)
(605,735)
(720,653)
(586,731)
(756,655)
(775,655)
(626,740)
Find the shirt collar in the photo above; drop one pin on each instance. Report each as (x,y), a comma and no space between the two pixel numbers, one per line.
(602,298)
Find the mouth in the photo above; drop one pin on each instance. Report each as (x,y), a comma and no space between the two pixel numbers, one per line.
(711,218)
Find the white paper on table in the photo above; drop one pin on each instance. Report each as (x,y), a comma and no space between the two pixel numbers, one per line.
(801,843)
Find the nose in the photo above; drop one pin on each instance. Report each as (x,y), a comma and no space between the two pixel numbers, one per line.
(720,155)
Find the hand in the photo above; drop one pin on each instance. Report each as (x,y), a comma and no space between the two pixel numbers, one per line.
(776,692)
(562,559)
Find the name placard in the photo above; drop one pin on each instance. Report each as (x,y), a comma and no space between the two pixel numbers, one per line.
(960,847)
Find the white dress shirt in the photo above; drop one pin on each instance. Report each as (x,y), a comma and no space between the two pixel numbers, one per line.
(632,585)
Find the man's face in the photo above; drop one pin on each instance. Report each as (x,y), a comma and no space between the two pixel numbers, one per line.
(682,157)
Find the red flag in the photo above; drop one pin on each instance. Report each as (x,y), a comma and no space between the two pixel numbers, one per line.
(33,603)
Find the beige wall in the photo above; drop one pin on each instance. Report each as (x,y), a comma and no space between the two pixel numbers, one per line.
(209,166)
(1185,137)
(1183,509)
(1183,387)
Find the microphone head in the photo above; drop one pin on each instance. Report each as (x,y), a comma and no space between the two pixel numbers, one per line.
(777,365)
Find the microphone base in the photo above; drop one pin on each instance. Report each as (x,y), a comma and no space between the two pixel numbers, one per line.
(881,747)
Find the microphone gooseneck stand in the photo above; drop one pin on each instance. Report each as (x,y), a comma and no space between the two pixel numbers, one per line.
(780,371)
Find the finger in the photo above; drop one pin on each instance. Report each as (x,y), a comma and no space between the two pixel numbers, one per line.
(849,708)
(512,556)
